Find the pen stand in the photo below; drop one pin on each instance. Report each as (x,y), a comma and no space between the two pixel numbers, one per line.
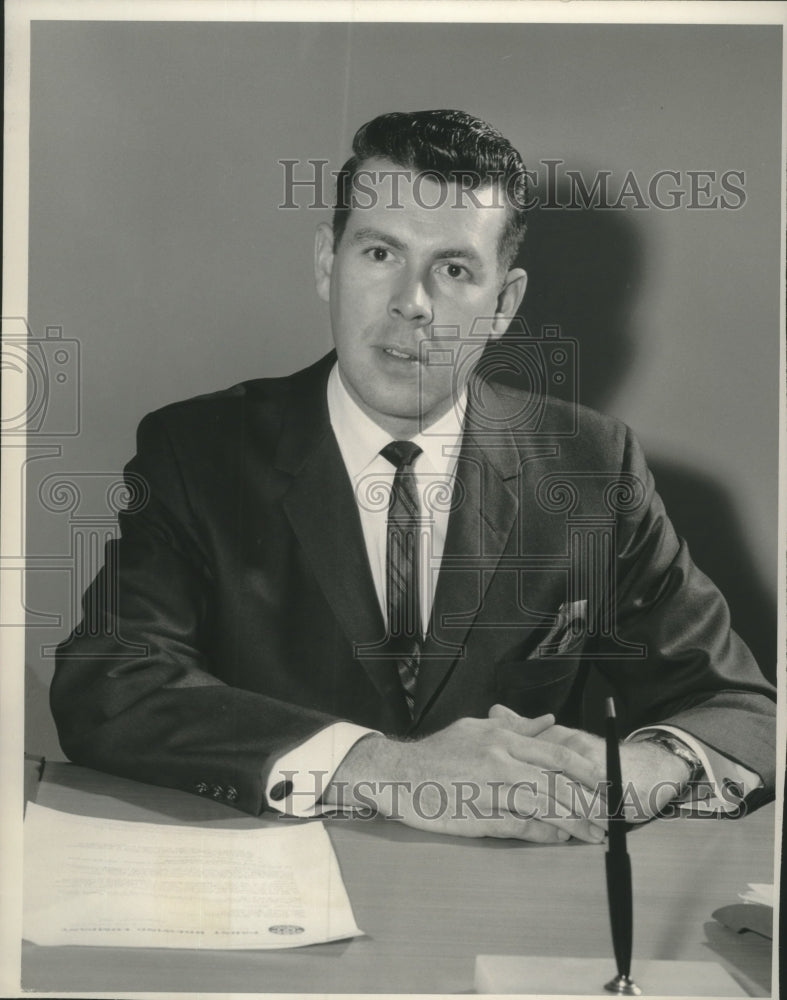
(623,986)
(547,975)
(543,975)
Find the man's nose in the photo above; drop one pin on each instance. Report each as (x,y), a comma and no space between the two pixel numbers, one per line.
(410,300)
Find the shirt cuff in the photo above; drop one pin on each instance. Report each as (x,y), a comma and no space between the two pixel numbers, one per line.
(299,778)
(723,784)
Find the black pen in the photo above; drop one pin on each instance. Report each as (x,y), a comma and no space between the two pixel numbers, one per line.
(618,865)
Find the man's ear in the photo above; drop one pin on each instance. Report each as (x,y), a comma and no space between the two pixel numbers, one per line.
(511,294)
(323,260)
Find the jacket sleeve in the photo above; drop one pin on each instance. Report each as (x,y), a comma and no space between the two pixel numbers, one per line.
(692,671)
(133,693)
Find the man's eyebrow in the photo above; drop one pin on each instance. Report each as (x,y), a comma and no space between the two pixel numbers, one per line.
(463,254)
(369,235)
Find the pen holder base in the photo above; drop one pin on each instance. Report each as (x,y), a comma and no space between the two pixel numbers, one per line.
(546,975)
(623,986)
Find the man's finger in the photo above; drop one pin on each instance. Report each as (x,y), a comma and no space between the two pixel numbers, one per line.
(548,796)
(509,825)
(549,756)
(520,723)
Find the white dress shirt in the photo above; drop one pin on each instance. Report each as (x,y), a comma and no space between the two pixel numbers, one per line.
(308,768)
(360,441)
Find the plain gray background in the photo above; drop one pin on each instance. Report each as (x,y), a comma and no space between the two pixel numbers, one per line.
(156,243)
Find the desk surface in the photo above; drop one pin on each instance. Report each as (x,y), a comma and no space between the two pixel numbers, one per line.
(429,903)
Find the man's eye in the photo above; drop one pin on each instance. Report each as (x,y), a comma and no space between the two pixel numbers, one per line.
(455,271)
(379,254)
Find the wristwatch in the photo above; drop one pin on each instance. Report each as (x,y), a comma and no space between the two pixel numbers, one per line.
(682,750)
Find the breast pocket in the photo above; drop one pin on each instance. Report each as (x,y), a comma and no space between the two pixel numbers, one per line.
(568,632)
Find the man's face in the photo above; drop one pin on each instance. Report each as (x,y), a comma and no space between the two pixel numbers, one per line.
(401,276)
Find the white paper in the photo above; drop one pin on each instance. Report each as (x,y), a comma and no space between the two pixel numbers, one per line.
(94,881)
(758,892)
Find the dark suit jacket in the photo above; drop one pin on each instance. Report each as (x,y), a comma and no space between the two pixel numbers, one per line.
(236,615)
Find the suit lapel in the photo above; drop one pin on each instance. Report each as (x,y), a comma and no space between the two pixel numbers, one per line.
(324,516)
(478,531)
(495,474)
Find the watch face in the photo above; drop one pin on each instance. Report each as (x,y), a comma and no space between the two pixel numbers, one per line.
(683,751)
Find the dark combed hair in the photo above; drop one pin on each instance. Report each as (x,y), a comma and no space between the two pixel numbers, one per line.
(450,145)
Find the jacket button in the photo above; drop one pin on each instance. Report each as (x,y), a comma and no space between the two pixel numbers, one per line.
(232,793)
(217,792)
(281,790)
(201,788)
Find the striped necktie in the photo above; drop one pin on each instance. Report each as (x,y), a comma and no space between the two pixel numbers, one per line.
(401,562)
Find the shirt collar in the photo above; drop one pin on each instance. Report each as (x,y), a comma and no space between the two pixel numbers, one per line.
(360,438)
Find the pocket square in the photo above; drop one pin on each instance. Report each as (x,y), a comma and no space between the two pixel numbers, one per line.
(567,632)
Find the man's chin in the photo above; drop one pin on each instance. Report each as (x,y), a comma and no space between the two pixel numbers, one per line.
(412,414)
(398,402)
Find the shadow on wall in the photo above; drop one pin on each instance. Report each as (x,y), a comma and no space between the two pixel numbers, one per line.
(585,269)
(703,513)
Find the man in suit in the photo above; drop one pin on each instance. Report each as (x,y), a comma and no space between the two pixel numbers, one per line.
(380,582)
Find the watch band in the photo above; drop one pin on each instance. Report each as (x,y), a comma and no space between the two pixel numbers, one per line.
(682,750)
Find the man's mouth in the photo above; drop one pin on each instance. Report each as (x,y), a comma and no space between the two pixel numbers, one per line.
(401,355)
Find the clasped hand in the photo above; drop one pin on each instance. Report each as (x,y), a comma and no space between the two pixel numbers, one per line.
(504,776)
